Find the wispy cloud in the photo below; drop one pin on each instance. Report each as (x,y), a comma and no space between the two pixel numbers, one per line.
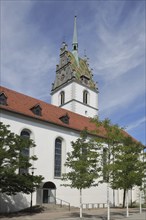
(121,45)
(113,34)
(136,124)
(119,55)
(26,60)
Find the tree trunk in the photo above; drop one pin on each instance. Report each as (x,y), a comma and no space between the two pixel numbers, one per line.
(108,203)
(140,206)
(113,198)
(124,195)
(127,205)
(80,203)
(131,199)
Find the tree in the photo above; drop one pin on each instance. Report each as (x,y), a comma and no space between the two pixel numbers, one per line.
(12,160)
(124,167)
(144,179)
(83,164)
(110,135)
(128,166)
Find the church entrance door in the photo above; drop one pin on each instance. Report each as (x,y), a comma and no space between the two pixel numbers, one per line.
(49,192)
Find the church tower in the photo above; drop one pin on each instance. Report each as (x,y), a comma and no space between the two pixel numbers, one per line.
(74,88)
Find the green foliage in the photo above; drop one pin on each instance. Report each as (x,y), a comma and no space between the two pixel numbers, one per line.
(111,137)
(83,163)
(127,167)
(11,160)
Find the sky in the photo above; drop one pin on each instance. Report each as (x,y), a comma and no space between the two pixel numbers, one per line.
(113,34)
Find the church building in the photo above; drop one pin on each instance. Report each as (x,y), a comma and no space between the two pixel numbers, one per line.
(74,98)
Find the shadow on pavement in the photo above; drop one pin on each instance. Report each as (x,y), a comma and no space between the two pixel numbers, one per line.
(26,212)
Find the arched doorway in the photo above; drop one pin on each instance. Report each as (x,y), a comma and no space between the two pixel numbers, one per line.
(49,192)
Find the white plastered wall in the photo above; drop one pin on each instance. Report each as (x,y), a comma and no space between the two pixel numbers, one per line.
(74,99)
(44,135)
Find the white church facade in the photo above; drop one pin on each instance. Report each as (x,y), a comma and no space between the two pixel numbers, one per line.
(74,98)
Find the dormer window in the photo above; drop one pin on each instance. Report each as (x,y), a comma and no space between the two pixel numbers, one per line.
(3,99)
(65,119)
(37,110)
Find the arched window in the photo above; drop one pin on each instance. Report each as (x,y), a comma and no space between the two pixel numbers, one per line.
(62,97)
(85,97)
(24,153)
(58,156)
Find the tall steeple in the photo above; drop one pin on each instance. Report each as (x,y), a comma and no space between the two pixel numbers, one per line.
(75,42)
(74,88)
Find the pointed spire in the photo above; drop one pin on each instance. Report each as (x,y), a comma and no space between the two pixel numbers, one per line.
(75,41)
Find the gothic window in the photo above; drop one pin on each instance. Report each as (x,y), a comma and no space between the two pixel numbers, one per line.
(24,153)
(3,99)
(85,97)
(62,97)
(37,110)
(58,156)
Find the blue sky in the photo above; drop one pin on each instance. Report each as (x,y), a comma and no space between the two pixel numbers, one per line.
(111,32)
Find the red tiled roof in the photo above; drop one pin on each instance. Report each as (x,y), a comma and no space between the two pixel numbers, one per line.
(22,104)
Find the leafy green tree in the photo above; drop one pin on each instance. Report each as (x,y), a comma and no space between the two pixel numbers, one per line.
(144,179)
(12,160)
(128,166)
(83,164)
(125,167)
(110,135)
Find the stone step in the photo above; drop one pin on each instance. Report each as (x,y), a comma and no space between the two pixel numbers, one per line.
(57,207)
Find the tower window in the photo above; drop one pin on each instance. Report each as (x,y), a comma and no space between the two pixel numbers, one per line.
(3,99)
(24,153)
(75,47)
(58,156)
(62,97)
(85,97)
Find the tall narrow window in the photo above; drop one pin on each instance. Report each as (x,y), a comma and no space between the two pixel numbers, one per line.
(58,155)
(62,97)
(24,153)
(85,97)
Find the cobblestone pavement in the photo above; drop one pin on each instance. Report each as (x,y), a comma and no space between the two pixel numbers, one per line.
(98,214)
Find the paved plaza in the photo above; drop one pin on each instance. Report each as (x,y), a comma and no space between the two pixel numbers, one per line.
(98,214)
